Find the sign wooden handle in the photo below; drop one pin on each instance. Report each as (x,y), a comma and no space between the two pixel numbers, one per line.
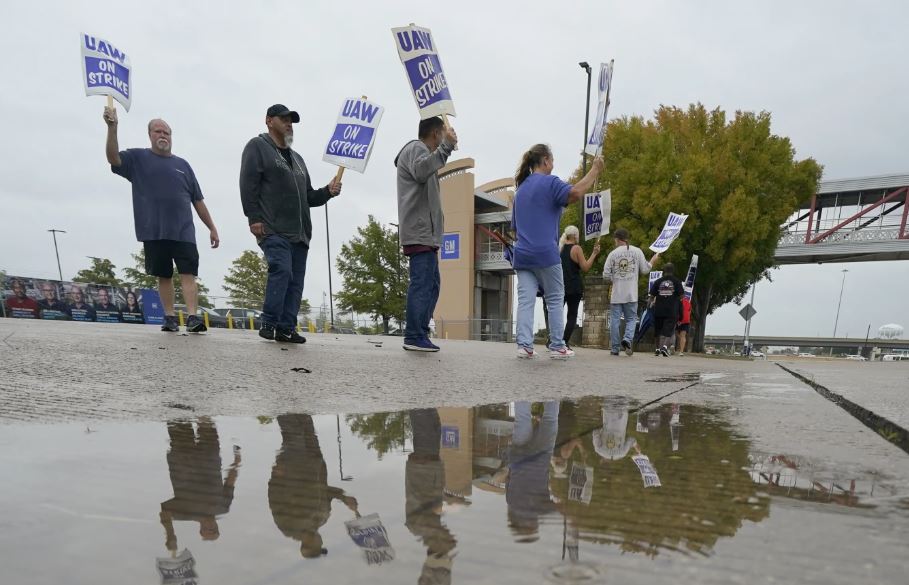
(110,101)
(340,173)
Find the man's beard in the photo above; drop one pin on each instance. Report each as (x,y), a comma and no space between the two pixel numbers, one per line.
(163,145)
(289,139)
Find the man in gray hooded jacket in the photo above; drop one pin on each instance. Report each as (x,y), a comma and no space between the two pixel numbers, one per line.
(422,224)
(277,193)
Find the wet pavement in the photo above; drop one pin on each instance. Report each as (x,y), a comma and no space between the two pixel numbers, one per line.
(644,470)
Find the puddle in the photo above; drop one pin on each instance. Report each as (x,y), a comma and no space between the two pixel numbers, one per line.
(569,492)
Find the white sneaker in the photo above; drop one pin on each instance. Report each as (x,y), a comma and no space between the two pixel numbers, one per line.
(561,353)
(525,354)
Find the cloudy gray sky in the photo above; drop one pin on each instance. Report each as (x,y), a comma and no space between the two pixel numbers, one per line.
(831,73)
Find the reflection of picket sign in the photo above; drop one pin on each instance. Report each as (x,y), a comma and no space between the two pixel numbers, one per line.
(597,211)
(420,57)
(179,570)
(106,70)
(648,472)
(580,483)
(351,143)
(671,230)
(370,535)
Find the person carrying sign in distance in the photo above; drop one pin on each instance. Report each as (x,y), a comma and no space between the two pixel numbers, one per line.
(422,224)
(666,297)
(622,267)
(538,204)
(277,194)
(573,264)
(165,191)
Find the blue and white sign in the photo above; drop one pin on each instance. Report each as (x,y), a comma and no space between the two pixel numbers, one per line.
(689,279)
(451,246)
(597,214)
(451,437)
(370,535)
(420,57)
(106,70)
(671,231)
(598,132)
(354,135)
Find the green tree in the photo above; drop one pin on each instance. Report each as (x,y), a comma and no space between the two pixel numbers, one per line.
(737,181)
(135,277)
(102,271)
(246,278)
(374,273)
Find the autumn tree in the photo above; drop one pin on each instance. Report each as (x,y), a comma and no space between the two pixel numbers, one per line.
(135,277)
(737,181)
(374,273)
(102,271)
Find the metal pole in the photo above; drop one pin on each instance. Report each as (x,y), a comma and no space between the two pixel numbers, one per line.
(746,343)
(864,347)
(837,320)
(56,251)
(586,67)
(331,300)
(398,270)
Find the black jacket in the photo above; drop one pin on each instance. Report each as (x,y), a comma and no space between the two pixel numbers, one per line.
(276,195)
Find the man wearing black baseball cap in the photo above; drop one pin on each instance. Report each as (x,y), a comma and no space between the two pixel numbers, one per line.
(277,193)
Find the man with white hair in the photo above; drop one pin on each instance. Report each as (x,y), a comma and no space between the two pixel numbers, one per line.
(165,190)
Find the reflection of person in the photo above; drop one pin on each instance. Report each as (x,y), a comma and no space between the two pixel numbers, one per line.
(165,191)
(79,310)
(200,493)
(527,488)
(276,193)
(50,306)
(19,304)
(539,201)
(666,293)
(424,480)
(106,310)
(132,312)
(573,264)
(298,492)
(610,441)
(422,224)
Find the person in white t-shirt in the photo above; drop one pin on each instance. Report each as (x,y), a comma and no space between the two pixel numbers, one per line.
(622,267)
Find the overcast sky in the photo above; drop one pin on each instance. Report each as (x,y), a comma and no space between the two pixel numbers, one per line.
(833,74)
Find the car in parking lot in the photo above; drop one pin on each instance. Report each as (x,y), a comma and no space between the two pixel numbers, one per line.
(241,315)
(214,319)
(857,358)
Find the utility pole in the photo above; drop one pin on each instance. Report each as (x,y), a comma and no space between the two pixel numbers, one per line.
(331,299)
(54,232)
(586,67)
(746,343)
(842,287)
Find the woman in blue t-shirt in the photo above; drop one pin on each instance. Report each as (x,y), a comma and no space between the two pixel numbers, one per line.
(538,204)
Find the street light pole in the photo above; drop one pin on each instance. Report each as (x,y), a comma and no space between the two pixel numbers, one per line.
(837,320)
(586,67)
(56,251)
(398,269)
(331,299)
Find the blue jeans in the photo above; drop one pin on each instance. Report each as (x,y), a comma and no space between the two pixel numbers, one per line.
(550,280)
(284,289)
(422,295)
(630,310)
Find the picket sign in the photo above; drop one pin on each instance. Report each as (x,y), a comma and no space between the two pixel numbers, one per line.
(357,119)
(428,83)
(106,70)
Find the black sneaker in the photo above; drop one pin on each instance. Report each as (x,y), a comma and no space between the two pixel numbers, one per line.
(195,324)
(627,347)
(291,336)
(267,331)
(171,324)
(664,351)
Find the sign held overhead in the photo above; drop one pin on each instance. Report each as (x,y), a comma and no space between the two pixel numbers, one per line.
(106,70)
(420,57)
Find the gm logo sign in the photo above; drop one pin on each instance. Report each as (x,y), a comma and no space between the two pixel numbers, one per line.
(451,246)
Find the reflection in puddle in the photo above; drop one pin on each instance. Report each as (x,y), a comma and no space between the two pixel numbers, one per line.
(560,492)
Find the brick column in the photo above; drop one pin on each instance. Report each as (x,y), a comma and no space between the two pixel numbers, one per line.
(596,313)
